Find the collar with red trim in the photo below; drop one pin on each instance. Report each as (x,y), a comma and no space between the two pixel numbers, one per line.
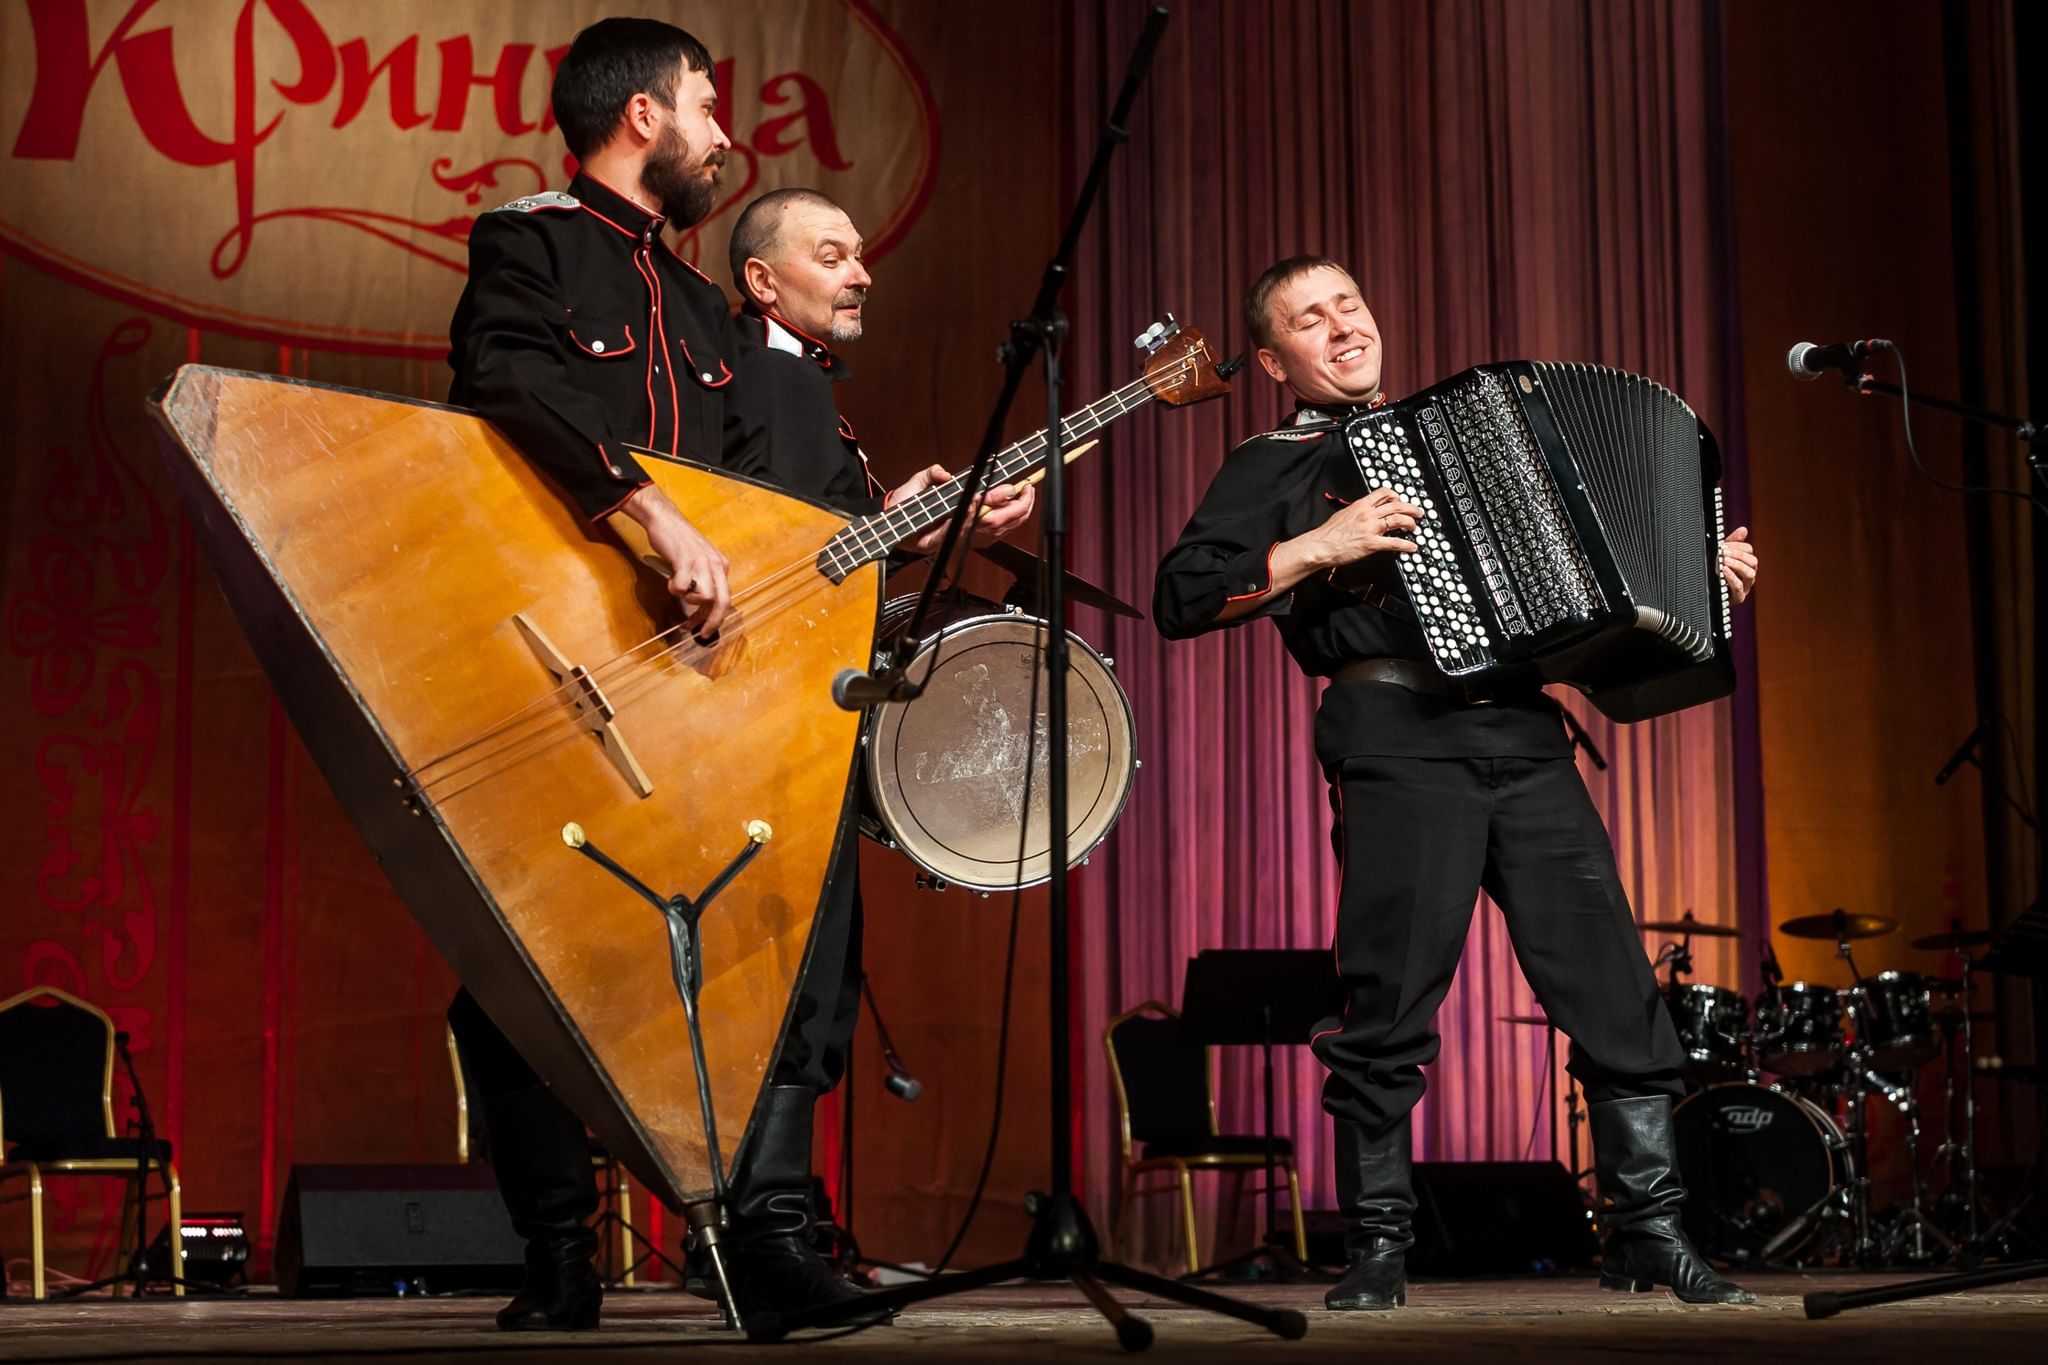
(780,335)
(621,212)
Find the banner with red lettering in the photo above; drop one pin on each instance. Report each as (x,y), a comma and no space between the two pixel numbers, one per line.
(306,172)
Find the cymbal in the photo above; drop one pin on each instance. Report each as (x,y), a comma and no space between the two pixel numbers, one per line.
(1838,924)
(1686,924)
(1024,566)
(1954,938)
(1535,1019)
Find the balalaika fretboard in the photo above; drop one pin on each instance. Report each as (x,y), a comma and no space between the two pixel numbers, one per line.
(1571,520)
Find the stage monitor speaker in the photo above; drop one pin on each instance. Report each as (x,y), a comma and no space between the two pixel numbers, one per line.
(1484,1218)
(382,1230)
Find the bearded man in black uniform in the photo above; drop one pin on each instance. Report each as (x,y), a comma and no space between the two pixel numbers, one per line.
(581,331)
(1438,792)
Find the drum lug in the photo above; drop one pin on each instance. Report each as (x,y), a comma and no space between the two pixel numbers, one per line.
(927,882)
(1108,662)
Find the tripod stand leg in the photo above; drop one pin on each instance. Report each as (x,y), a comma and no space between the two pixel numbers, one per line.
(776,1326)
(1825,1305)
(1132,1333)
(1282,1322)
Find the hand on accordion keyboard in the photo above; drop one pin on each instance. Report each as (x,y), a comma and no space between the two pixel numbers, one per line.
(1738,564)
(1377,522)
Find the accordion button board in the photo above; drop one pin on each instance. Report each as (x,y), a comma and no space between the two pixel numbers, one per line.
(1570,520)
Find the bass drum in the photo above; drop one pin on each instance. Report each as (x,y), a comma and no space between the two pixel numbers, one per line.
(1762,1169)
(945,773)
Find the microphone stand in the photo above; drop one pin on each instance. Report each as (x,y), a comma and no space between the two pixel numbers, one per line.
(1827,1305)
(1062,1244)
(139,1274)
(2033,433)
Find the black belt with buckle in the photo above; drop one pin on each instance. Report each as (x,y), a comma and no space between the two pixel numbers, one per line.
(1416,677)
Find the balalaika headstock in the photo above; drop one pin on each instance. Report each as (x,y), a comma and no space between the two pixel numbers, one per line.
(1181,369)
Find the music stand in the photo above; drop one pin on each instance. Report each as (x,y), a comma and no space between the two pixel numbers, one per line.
(1262,997)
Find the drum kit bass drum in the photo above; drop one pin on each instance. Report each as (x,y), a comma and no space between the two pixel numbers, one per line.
(1777,1170)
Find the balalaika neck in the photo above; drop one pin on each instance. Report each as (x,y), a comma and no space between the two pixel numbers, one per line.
(870,538)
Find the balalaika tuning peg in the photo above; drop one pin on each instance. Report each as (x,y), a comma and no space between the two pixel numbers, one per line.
(1155,336)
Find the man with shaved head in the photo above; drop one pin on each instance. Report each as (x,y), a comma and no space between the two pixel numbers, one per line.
(796,259)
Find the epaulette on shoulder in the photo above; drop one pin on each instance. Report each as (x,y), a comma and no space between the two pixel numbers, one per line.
(546,199)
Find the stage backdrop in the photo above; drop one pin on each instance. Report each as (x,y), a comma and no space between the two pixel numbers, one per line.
(286,185)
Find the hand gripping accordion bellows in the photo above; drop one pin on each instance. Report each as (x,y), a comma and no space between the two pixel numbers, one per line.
(1571,522)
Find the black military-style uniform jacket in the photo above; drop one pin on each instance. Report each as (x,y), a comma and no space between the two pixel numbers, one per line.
(580,332)
(1283,484)
(783,424)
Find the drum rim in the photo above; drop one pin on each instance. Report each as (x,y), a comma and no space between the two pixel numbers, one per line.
(880,719)
(1824,1122)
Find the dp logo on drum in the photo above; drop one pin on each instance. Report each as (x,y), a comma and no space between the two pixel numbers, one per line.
(1746,1118)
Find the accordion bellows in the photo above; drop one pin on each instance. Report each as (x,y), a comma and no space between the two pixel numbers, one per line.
(1571,522)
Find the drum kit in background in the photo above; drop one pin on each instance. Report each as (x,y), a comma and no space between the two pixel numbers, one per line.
(1774,1138)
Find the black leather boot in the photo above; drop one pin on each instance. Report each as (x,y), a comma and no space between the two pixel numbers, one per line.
(542,1160)
(770,1261)
(1635,1157)
(1376,1195)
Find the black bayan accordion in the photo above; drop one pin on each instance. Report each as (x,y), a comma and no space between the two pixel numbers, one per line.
(1571,523)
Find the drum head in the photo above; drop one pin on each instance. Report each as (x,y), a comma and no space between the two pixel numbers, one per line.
(1758,1163)
(946,772)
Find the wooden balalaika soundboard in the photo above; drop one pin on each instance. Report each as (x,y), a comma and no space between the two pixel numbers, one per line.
(473,669)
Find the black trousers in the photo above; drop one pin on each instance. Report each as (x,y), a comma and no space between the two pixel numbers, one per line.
(814,1044)
(1418,839)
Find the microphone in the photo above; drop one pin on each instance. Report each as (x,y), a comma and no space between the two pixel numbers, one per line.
(1808,361)
(1963,755)
(1773,973)
(854,690)
(899,1081)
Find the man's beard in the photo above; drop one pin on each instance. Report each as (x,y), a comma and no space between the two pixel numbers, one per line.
(677,182)
(846,330)
(843,332)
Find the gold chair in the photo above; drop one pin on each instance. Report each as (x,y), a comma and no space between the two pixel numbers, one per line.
(615,1190)
(1166,1100)
(57,1115)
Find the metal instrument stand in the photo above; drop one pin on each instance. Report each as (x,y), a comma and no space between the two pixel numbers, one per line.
(681,914)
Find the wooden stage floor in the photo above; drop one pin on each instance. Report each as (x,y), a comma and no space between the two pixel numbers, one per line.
(1512,1322)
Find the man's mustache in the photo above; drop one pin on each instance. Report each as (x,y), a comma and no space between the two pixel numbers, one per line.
(852,298)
